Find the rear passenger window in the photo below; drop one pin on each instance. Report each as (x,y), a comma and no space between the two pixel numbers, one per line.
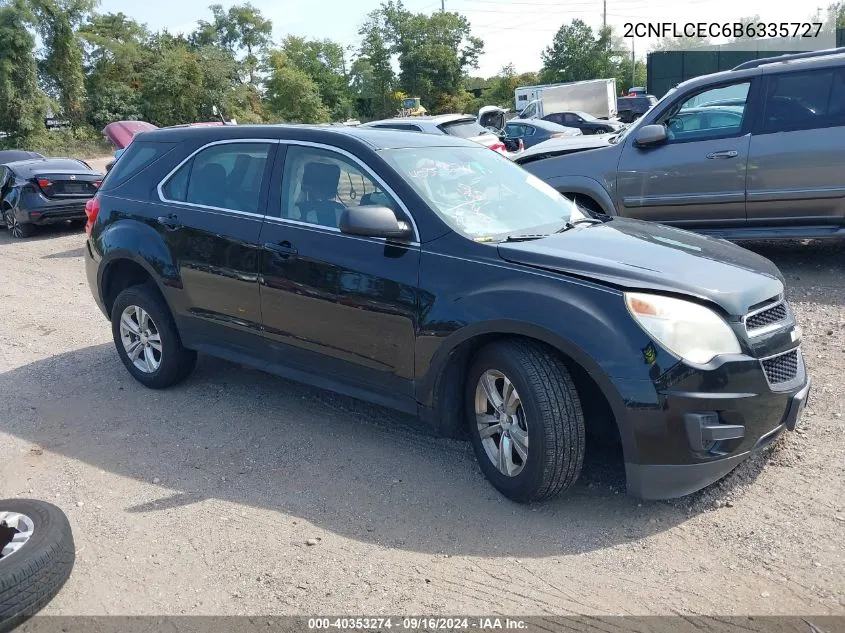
(225,176)
(800,101)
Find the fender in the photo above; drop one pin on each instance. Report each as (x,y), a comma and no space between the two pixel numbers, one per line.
(586,186)
(139,243)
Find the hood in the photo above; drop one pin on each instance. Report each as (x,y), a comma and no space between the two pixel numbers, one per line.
(121,133)
(568,144)
(639,255)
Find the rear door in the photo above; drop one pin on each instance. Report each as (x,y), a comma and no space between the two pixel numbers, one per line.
(697,178)
(796,172)
(209,213)
(337,305)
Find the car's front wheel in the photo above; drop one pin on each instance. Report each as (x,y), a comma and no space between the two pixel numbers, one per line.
(17,228)
(147,340)
(525,420)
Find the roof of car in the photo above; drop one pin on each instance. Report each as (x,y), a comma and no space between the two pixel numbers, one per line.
(774,67)
(437,119)
(550,126)
(374,138)
(41,165)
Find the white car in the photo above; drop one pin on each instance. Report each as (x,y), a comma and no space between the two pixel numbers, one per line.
(460,125)
(562,145)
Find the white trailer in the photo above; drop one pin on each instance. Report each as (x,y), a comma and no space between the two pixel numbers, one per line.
(594,96)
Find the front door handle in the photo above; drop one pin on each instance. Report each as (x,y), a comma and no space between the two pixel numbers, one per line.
(170,221)
(728,153)
(281,249)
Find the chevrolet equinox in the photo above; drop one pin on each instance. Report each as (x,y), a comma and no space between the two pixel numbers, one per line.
(431,275)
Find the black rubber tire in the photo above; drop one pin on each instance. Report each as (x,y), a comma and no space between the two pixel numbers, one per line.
(31,576)
(177,362)
(26,230)
(556,436)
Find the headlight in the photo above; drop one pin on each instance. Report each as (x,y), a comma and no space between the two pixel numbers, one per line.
(690,330)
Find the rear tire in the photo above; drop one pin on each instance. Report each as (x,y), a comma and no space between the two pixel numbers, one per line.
(545,433)
(34,573)
(18,230)
(147,340)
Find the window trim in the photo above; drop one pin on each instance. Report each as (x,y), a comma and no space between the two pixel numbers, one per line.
(163,182)
(365,168)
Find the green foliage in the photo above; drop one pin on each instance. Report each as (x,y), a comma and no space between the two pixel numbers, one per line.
(577,53)
(84,142)
(372,76)
(434,51)
(21,103)
(324,62)
(291,95)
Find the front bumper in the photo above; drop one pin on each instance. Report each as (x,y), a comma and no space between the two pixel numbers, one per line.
(668,481)
(689,427)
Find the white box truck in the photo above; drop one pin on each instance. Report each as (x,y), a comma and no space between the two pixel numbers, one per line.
(594,96)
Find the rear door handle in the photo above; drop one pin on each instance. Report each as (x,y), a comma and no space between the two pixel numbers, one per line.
(282,249)
(169,221)
(728,153)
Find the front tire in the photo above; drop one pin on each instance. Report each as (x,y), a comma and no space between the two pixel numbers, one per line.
(147,340)
(36,558)
(525,420)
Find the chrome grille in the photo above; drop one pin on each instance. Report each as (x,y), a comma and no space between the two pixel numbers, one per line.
(766,317)
(782,368)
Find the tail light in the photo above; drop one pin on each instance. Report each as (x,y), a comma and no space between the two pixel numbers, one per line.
(499,147)
(44,183)
(521,145)
(97,183)
(92,210)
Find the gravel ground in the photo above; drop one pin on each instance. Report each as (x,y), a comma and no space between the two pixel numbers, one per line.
(240,493)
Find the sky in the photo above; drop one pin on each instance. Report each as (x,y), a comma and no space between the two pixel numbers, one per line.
(514,32)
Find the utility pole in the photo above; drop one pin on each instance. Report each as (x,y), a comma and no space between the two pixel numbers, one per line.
(604,15)
(633,64)
(442,6)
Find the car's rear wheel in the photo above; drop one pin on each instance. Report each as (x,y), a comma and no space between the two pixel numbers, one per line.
(525,420)
(18,229)
(147,340)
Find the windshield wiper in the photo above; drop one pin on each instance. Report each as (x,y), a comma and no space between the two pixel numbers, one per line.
(574,223)
(525,237)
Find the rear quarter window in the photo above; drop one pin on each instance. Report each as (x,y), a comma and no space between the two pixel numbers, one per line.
(137,157)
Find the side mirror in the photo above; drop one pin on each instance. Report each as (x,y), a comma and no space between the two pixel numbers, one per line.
(649,135)
(374,221)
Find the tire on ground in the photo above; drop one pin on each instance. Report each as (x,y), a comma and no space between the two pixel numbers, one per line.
(32,575)
(555,420)
(177,362)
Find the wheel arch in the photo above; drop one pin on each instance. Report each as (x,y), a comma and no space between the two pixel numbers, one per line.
(442,394)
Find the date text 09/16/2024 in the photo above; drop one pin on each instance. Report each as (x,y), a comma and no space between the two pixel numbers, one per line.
(417,624)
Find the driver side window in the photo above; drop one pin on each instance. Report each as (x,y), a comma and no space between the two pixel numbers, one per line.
(319,184)
(714,113)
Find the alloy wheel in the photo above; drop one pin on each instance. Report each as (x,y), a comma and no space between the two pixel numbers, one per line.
(141,339)
(12,223)
(15,530)
(502,424)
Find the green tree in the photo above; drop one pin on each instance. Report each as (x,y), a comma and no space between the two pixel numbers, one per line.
(325,63)
(242,29)
(61,68)
(378,81)
(577,53)
(291,95)
(21,101)
(172,90)
(434,51)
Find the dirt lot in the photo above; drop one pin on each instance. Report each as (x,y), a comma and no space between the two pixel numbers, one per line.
(239,493)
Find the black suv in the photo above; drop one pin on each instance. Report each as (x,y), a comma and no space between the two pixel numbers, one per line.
(429,274)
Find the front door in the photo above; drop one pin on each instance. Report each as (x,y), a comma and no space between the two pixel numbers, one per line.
(339,305)
(696,179)
(210,219)
(796,166)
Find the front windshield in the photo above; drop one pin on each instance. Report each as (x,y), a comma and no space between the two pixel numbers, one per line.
(480,194)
